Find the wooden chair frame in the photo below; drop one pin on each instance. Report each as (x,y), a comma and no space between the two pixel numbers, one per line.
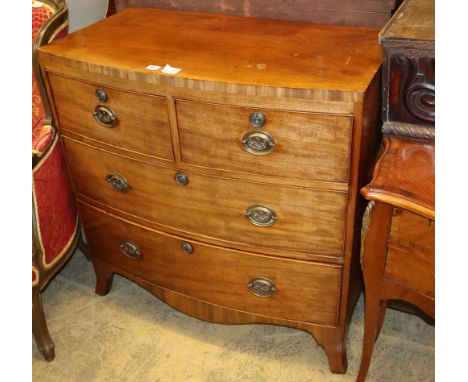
(46,273)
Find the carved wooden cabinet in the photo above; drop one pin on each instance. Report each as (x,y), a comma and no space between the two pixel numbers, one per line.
(399,230)
(409,71)
(230,189)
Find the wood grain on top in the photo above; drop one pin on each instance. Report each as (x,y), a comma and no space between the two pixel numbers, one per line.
(405,176)
(414,20)
(228,49)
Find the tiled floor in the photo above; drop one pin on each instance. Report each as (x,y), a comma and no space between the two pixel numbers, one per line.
(129,335)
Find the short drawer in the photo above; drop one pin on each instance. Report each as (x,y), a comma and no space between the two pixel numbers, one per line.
(268,142)
(263,215)
(280,288)
(130,121)
(411,255)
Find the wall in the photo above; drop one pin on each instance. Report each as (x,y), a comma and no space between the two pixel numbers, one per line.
(369,13)
(85,12)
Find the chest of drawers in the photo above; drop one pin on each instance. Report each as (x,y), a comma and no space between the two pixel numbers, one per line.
(230,189)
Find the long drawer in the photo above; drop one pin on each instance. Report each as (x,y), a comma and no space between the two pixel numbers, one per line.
(289,289)
(131,121)
(263,141)
(265,215)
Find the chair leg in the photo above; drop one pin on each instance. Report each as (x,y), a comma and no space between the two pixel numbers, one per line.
(41,333)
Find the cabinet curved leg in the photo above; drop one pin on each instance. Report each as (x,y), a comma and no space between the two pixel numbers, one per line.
(39,327)
(375,247)
(104,277)
(372,325)
(382,309)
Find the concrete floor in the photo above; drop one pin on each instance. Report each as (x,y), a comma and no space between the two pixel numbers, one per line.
(129,335)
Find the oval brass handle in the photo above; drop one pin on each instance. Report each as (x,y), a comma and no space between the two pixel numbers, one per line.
(261,215)
(187,248)
(118,182)
(130,249)
(258,143)
(181,178)
(105,116)
(257,119)
(101,95)
(262,287)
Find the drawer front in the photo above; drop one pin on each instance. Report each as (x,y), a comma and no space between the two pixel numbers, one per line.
(411,250)
(268,142)
(306,220)
(141,121)
(294,290)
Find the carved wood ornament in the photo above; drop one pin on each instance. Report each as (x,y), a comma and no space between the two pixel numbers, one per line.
(412,89)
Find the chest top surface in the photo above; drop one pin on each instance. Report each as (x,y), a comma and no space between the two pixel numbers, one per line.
(229,49)
(414,20)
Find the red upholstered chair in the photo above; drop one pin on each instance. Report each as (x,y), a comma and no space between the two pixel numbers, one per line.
(55,218)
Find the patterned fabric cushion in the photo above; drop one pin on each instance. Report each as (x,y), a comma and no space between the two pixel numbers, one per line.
(37,108)
(41,138)
(56,210)
(41,135)
(40,14)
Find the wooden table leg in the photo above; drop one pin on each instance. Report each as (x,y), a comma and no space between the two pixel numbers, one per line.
(375,247)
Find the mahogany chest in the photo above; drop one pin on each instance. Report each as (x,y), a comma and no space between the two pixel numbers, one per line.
(229,189)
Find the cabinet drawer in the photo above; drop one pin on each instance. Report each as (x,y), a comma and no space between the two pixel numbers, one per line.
(296,290)
(309,221)
(141,121)
(411,251)
(303,145)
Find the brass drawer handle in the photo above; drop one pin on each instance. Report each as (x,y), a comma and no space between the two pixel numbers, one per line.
(257,119)
(262,287)
(105,116)
(130,249)
(187,248)
(181,178)
(261,215)
(101,95)
(118,182)
(258,143)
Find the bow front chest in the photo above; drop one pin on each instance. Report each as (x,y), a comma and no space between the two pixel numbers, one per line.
(228,188)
